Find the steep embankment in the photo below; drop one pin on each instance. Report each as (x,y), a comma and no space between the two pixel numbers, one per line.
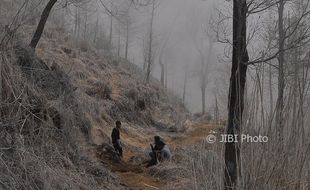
(112,89)
(44,129)
(62,103)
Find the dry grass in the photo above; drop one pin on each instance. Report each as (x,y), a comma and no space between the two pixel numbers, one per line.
(53,108)
(41,126)
(199,165)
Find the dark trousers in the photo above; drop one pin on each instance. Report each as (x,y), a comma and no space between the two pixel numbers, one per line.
(118,149)
(155,157)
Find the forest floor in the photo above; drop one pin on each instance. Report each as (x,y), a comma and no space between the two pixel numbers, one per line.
(134,176)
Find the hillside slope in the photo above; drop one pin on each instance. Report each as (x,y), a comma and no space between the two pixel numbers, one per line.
(61,101)
(109,88)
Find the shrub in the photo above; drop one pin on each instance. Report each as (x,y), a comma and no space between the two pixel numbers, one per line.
(140,104)
(107,91)
(132,93)
(84,46)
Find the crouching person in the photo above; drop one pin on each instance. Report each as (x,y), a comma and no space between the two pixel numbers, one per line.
(160,152)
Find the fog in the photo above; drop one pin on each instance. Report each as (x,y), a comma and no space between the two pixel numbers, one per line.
(65,89)
(185,27)
(184,23)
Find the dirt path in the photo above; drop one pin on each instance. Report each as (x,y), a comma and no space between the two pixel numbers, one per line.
(197,134)
(132,176)
(134,181)
(116,88)
(135,177)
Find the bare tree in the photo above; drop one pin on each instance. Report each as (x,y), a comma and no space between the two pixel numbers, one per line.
(185,83)
(111,25)
(85,22)
(127,38)
(241,10)
(145,54)
(162,62)
(280,101)
(236,92)
(38,33)
(204,70)
(77,23)
(162,67)
(166,75)
(119,41)
(150,58)
(126,22)
(96,30)
(216,109)
(204,58)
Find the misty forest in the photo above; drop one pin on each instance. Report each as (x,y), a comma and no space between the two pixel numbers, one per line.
(155,94)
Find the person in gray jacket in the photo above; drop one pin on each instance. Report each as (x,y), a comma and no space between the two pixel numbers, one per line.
(160,152)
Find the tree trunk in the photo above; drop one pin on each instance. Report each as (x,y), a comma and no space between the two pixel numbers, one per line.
(85,25)
(295,95)
(111,28)
(162,67)
(96,30)
(216,110)
(75,22)
(40,28)
(236,93)
(280,101)
(119,45)
(184,87)
(150,56)
(270,93)
(166,75)
(127,40)
(1,87)
(203,99)
(144,54)
(162,74)
(78,25)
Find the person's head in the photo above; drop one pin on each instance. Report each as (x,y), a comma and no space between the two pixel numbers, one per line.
(156,139)
(118,124)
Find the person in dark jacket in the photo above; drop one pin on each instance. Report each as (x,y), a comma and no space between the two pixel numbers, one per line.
(116,140)
(160,152)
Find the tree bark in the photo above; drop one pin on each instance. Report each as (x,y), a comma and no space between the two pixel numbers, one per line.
(166,75)
(184,87)
(127,39)
(162,74)
(162,67)
(85,25)
(96,30)
(280,101)
(119,45)
(111,28)
(270,93)
(150,56)
(203,99)
(1,87)
(236,93)
(75,22)
(40,28)
(145,54)
(78,25)
(216,110)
